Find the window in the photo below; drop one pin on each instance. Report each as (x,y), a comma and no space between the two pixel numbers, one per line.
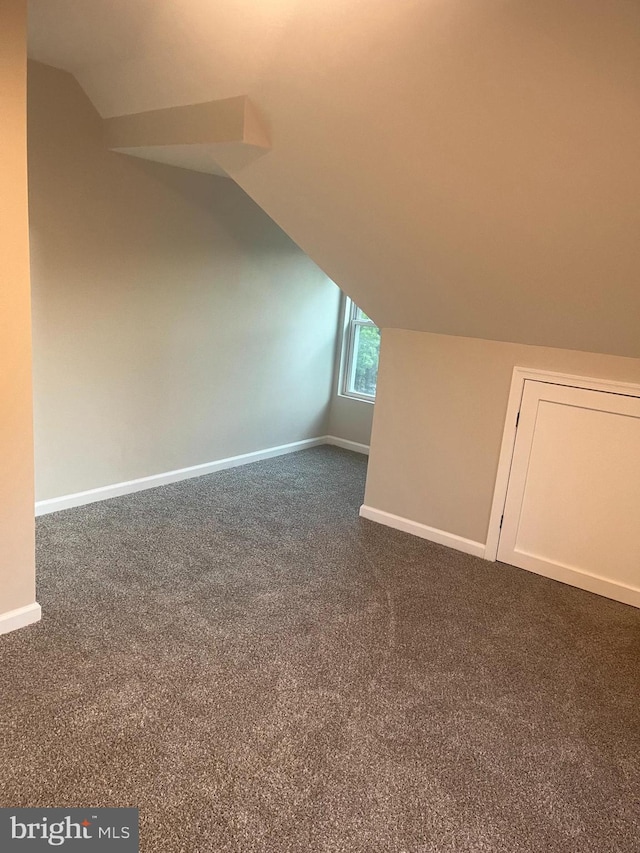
(359,354)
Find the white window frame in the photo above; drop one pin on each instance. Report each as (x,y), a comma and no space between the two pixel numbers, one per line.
(351,322)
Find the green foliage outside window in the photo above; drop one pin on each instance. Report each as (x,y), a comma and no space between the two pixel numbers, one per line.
(366,354)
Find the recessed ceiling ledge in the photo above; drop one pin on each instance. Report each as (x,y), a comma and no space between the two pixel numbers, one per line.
(196,136)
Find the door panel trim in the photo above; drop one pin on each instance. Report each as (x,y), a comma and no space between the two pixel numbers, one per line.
(519,377)
(580,579)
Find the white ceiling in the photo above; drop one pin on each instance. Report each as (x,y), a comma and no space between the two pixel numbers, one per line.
(70,34)
(194,50)
(467,167)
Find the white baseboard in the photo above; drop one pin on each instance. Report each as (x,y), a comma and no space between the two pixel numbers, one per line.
(105,492)
(347,445)
(452,540)
(608,587)
(14,619)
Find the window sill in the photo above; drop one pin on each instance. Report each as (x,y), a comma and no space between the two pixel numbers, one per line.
(369,400)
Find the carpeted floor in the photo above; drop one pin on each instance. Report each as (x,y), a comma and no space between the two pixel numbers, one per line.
(258,669)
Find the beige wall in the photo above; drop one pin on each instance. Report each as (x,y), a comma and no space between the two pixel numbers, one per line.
(16,440)
(174,322)
(439,420)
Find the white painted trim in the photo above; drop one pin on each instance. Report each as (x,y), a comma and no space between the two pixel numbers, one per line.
(519,377)
(504,465)
(347,445)
(582,580)
(105,492)
(14,619)
(369,401)
(452,540)
(611,386)
(345,365)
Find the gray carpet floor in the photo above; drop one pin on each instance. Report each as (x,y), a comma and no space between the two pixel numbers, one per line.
(258,669)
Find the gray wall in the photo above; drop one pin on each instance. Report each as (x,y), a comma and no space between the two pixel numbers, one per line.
(350,419)
(174,322)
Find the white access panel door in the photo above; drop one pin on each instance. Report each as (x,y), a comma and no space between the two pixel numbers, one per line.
(572,510)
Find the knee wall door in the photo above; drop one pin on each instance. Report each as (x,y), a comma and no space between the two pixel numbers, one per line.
(572,509)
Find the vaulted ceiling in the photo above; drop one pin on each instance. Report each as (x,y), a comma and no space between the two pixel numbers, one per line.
(467,167)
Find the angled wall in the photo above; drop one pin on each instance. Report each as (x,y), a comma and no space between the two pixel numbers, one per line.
(17,581)
(459,168)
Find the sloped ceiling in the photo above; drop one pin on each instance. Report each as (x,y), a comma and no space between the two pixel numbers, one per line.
(468,167)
